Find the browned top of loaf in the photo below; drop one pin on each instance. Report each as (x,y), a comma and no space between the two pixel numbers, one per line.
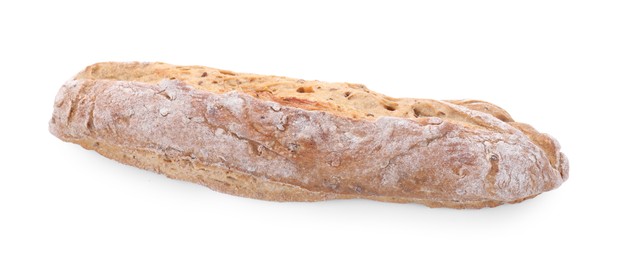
(343,99)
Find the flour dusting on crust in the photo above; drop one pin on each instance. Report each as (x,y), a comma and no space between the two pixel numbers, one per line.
(425,158)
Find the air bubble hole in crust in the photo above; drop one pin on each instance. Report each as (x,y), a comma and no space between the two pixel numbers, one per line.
(305,90)
(416,112)
(389,107)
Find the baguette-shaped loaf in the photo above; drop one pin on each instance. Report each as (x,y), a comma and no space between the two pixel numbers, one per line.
(282,139)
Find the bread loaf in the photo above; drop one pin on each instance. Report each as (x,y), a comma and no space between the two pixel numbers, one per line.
(283,139)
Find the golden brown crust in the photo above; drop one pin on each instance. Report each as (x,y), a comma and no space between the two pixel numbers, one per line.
(245,185)
(303,147)
(343,99)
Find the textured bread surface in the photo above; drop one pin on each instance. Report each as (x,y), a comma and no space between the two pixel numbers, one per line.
(283,139)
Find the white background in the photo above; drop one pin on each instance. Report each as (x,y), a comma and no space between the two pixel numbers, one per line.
(557,65)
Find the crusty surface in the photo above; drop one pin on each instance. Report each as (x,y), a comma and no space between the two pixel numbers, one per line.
(263,138)
(241,184)
(344,99)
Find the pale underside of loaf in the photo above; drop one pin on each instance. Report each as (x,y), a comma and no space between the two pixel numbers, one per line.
(283,139)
